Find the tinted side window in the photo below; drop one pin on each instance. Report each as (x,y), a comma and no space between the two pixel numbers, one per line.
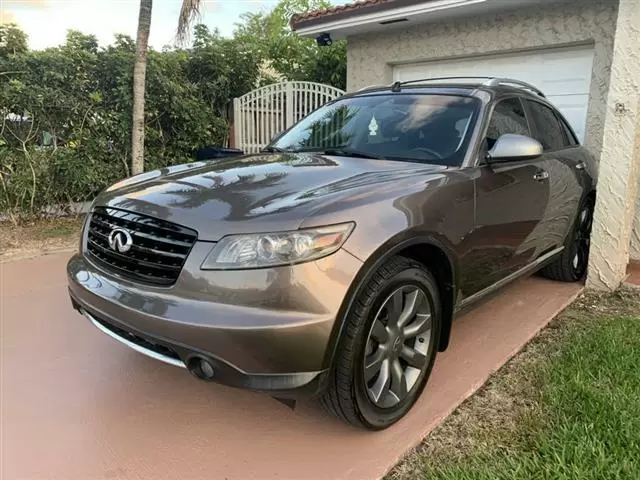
(508,117)
(548,130)
(571,140)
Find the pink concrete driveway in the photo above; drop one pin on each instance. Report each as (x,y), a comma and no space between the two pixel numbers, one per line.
(78,405)
(633,272)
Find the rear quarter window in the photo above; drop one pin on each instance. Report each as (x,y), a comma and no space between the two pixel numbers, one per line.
(548,130)
(571,140)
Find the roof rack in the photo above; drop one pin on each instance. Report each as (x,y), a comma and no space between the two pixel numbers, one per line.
(488,82)
(368,87)
(510,81)
(438,79)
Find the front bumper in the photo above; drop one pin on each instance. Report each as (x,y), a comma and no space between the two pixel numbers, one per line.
(266,330)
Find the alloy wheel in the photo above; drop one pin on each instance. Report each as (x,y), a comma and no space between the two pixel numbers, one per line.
(397,346)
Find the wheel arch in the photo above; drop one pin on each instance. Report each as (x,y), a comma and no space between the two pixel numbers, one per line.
(428,251)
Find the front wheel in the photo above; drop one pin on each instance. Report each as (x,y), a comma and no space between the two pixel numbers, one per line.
(571,265)
(388,347)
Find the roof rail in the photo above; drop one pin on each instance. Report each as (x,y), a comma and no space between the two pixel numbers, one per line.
(372,86)
(488,82)
(439,79)
(510,81)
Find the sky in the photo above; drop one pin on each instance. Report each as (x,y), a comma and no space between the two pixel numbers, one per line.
(47,21)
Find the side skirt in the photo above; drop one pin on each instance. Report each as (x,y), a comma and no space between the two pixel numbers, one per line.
(533,267)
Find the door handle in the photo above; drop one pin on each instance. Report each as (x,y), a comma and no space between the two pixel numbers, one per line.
(541,176)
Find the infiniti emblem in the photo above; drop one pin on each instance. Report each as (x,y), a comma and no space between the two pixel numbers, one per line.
(120,240)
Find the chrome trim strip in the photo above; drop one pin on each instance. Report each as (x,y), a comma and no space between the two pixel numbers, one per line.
(134,346)
(508,279)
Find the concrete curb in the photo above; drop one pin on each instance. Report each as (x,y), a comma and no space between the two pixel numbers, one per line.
(36,254)
(57,211)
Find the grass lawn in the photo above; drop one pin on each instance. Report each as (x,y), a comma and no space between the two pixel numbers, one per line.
(567,407)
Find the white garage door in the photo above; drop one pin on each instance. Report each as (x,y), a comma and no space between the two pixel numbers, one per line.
(564,75)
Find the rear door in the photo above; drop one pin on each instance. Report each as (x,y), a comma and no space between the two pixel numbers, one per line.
(562,160)
(511,200)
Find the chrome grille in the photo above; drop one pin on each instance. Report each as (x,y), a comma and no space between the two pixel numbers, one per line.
(158,251)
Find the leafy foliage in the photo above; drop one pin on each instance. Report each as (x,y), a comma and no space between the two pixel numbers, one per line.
(12,40)
(65,112)
(269,35)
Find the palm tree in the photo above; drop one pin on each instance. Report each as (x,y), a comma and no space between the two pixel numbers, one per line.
(139,80)
(188,13)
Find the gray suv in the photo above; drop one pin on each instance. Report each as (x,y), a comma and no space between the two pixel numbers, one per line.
(332,264)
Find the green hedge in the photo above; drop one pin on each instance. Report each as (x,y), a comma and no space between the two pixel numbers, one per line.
(37,179)
(66,114)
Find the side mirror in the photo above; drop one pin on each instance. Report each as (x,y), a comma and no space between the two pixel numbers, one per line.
(511,147)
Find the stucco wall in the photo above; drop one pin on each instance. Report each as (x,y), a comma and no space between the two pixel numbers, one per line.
(628,73)
(615,214)
(634,248)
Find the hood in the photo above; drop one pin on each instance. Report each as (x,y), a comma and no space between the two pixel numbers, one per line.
(251,194)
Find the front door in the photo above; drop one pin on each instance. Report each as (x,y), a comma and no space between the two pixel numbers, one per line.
(511,201)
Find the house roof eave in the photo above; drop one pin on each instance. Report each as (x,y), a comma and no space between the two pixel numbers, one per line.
(369,12)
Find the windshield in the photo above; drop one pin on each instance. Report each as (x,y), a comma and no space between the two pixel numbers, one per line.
(421,128)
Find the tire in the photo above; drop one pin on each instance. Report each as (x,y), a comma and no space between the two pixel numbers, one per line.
(352,392)
(571,264)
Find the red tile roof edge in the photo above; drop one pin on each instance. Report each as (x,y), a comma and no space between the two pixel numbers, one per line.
(327,12)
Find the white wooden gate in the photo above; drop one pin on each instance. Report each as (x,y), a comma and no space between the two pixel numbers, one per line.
(262,113)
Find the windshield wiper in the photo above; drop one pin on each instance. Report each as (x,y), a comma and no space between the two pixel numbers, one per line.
(349,152)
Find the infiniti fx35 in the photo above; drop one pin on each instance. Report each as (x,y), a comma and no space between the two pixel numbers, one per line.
(332,264)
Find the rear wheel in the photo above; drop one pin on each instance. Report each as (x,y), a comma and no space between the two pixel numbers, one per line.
(388,347)
(571,265)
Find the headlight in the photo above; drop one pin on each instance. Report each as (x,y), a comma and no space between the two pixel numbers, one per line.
(237,252)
